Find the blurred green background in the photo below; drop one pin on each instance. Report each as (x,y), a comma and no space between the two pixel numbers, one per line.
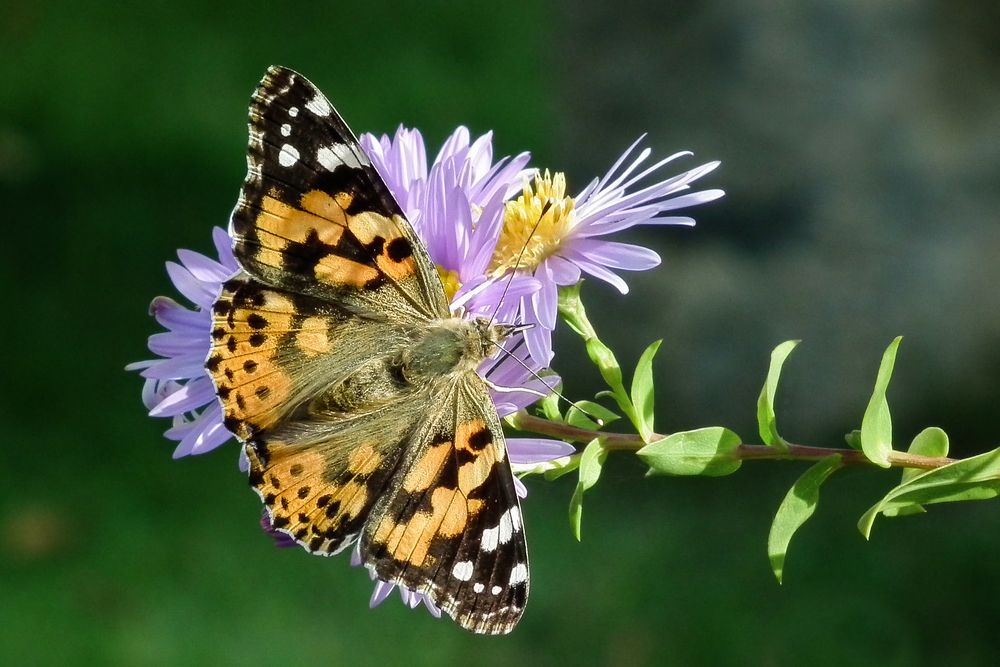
(861,159)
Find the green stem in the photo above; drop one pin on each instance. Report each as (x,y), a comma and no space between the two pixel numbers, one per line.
(631,442)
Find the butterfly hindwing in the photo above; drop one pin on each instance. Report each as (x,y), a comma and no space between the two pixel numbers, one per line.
(320,479)
(451,525)
(315,217)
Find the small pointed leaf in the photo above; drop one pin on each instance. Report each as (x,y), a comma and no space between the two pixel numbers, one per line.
(573,313)
(550,408)
(798,505)
(591,461)
(595,411)
(876,427)
(853,439)
(642,392)
(766,420)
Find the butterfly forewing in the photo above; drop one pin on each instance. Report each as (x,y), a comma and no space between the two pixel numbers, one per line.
(315,217)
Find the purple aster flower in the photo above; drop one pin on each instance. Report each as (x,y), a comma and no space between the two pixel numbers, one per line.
(457,206)
(177,386)
(559,237)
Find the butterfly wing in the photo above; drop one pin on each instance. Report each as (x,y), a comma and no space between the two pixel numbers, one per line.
(320,480)
(273,352)
(450,527)
(315,217)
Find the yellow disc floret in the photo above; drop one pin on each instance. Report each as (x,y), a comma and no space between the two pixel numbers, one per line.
(534,224)
(450,281)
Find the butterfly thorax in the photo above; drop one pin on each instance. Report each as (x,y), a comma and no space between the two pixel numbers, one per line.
(451,345)
(437,352)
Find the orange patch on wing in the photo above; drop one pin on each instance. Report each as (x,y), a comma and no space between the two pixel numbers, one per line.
(473,474)
(364,460)
(337,270)
(411,542)
(321,204)
(424,471)
(368,225)
(302,501)
(287,222)
(250,381)
(313,337)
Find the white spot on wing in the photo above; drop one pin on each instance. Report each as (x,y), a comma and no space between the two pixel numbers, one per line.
(496,590)
(288,156)
(286,130)
(477,587)
(331,157)
(463,570)
(319,106)
(515,518)
(519,574)
(293,112)
(506,528)
(490,539)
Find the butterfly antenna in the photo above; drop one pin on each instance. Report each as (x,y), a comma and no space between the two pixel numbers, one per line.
(521,327)
(517,262)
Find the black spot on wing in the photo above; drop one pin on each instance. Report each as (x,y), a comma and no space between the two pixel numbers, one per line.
(256,321)
(399,249)
(480,440)
(302,256)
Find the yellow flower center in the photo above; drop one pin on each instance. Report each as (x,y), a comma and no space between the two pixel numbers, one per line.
(450,281)
(529,233)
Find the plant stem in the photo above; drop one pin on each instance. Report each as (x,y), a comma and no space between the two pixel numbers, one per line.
(631,442)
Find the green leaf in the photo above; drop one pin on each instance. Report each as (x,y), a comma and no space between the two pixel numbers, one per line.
(975,478)
(766,420)
(595,411)
(550,408)
(607,364)
(876,427)
(798,505)
(589,415)
(561,467)
(591,461)
(705,451)
(580,420)
(642,392)
(853,439)
(932,442)
(572,312)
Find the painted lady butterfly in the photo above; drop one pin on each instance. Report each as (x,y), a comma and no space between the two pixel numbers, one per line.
(353,388)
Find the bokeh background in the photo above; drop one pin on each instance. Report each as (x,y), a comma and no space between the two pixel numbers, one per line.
(861,159)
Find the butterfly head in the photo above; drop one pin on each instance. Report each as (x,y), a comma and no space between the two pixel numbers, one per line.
(492,334)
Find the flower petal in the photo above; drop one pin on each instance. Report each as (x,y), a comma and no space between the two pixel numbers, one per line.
(598,271)
(617,255)
(527,451)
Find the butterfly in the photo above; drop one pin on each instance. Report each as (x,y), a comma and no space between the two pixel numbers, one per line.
(347,379)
